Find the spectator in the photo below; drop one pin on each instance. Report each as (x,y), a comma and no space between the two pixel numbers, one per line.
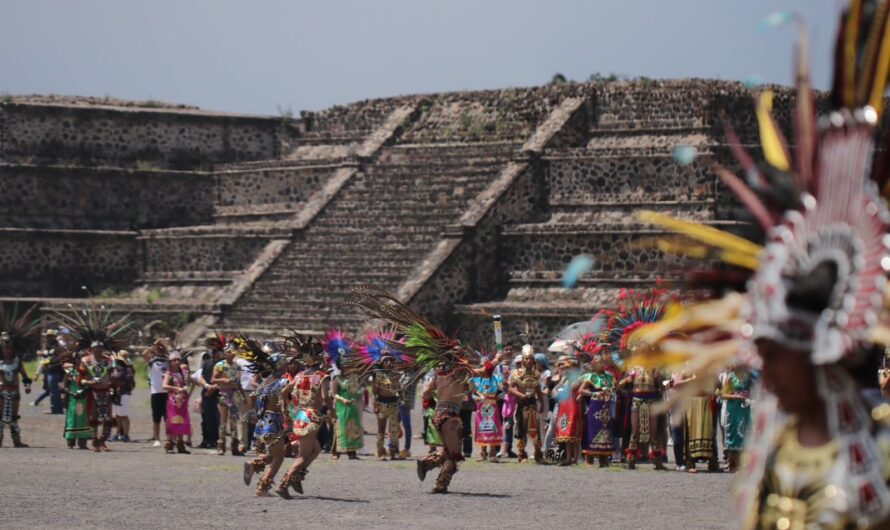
(156,357)
(124,378)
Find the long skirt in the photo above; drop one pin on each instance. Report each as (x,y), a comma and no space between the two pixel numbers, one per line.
(699,429)
(349,434)
(568,419)
(77,425)
(178,421)
(738,416)
(489,425)
(597,439)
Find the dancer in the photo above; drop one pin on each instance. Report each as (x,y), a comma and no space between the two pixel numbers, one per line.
(487,387)
(95,330)
(269,405)
(648,427)
(386,386)
(814,316)
(736,393)
(525,386)
(177,383)
(347,392)
(95,376)
(311,391)
(449,385)
(425,348)
(226,378)
(77,422)
(568,410)
(13,373)
(599,387)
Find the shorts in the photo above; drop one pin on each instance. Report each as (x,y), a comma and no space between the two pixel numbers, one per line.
(124,408)
(159,407)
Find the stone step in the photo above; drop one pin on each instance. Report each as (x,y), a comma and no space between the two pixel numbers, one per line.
(620,249)
(299,279)
(420,231)
(462,150)
(401,174)
(616,212)
(197,277)
(255,212)
(629,227)
(279,164)
(390,248)
(248,229)
(369,258)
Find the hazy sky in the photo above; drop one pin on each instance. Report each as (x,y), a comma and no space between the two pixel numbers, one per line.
(254,56)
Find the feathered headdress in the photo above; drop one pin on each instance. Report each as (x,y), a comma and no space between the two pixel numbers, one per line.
(636,310)
(337,346)
(259,360)
(17,327)
(425,344)
(307,348)
(95,324)
(379,346)
(215,341)
(817,276)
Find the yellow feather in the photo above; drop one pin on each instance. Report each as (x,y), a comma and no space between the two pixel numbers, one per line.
(742,260)
(770,138)
(880,80)
(702,233)
(852,36)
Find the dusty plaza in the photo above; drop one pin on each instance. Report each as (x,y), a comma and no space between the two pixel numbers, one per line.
(138,486)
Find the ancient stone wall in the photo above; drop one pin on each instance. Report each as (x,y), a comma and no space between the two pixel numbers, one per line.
(199,253)
(624,178)
(287,185)
(102,198)
(59,262)
(136,137)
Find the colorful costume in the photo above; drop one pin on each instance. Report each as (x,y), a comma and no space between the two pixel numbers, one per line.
(597,440)
(95,329)
(738,410)
(97,369)
(14,330)
(10,396)
(568,418)
(306,418)
(816,298)
(270,395)
(228,404)
(178,420)
(526,419)
(349,435)
(647,429)
(489,425)
(77,426)
(699,432)
(310,393)
(425,347)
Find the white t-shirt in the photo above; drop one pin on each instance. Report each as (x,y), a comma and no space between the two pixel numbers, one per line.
(156,372)
(247,382)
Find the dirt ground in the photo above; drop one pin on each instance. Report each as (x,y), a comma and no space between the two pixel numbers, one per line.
(138,486)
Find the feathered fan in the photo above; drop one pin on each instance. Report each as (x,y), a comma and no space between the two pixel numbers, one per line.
(94,324)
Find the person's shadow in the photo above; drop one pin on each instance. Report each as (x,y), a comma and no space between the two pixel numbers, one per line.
(485,495)
(332,499)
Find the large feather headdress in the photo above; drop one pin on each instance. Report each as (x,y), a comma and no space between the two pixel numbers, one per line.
(94,324)
(16,326)
(817,276)
(423,343)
